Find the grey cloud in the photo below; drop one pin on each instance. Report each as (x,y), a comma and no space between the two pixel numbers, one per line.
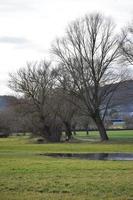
(14,40)
(22,43)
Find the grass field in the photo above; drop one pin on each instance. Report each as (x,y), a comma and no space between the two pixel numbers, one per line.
(25,175)
(119,135)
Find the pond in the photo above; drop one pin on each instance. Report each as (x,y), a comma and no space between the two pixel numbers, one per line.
(92,156)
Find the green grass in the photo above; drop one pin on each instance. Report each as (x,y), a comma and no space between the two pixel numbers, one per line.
(25,175)
(116,136)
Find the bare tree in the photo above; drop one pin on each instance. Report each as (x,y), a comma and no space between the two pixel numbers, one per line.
(66,110)
(67,105)
(88,53)
(36,83)
(126,44)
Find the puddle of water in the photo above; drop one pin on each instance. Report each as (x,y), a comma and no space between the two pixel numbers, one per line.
(92,156)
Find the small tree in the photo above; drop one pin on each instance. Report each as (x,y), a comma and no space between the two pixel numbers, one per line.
(36,83)
(66,110)
(66,104)
(129,122)
(88,53)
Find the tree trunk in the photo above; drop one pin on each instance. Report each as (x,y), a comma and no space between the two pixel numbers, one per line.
(73,127)
(51,131)
(51,134)
(87,132)
(101,128)
(68,130)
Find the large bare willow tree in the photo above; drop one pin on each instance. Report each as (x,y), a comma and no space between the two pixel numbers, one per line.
(87,53)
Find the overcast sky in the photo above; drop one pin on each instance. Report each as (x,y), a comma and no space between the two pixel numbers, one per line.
(28,27)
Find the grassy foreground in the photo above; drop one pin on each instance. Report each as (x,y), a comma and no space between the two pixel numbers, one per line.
(25,175)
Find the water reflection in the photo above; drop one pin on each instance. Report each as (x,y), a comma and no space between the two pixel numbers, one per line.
(93,156)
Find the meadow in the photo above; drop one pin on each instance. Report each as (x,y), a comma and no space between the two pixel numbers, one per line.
(27,175)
